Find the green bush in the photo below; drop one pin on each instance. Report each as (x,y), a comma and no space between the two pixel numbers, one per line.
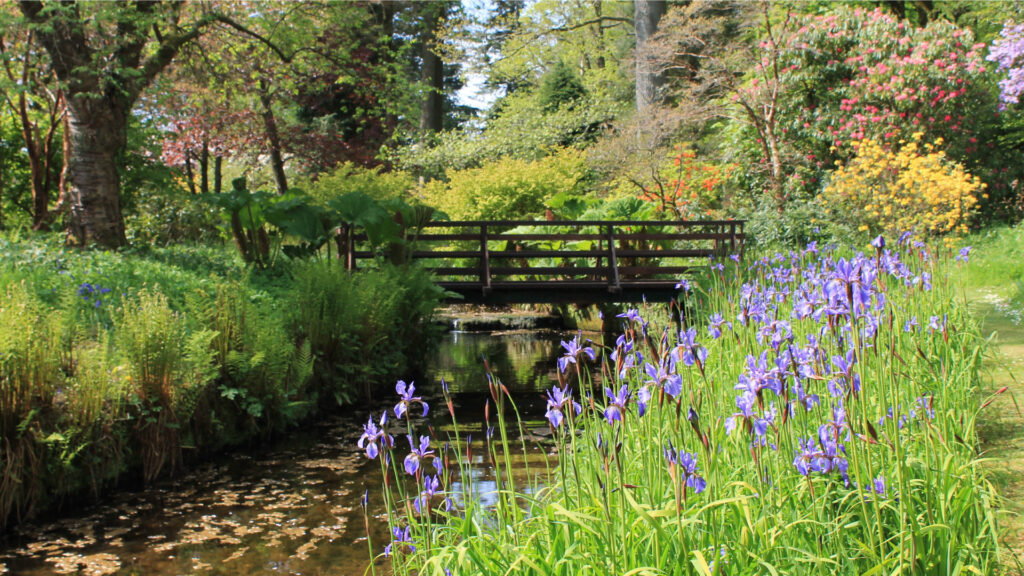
(508,188)
(348,177)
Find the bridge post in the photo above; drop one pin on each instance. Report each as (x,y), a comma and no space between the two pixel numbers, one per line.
(613,263)
(485,261)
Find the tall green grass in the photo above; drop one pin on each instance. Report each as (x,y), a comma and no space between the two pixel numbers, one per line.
(626,498)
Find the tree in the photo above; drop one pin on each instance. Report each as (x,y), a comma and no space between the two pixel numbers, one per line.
(38,108)
(104,55)
(647,14)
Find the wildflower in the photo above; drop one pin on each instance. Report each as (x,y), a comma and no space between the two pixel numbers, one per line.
(964,255)
(417,455)
(878,243)
(617,403)
(402,539)
(936,325)
(406,391)
(715,323)
(879,485)
(558,399)
(685,462)
(631,314)
(911,325)
(683,285)
(689,351)
(663,378)
(430,488)
(374,434)
(643,398)
(573,350)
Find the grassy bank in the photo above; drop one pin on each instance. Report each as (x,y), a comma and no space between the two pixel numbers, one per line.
(115,364)
(818,417)
(995,281)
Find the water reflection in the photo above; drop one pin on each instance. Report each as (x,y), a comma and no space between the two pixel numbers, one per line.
(292,508)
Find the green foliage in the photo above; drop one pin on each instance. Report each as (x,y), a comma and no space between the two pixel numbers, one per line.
(348,177)
(112,362)
(361,327)
(509,188)
(163,216)
(520,128)
(559,88)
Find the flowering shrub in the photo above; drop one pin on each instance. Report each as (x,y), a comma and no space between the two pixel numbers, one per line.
(686,188)
(1008,53)
(858,74)
(917,188)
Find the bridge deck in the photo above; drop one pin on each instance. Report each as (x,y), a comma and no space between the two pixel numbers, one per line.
(500,262)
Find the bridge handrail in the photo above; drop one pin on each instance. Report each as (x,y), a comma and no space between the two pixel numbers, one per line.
(620,255)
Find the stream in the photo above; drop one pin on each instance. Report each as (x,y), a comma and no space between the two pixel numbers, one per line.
(292,507)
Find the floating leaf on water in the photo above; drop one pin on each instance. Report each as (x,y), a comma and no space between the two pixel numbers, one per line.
(303,552)
(91,565)
(237,554)
(243,531)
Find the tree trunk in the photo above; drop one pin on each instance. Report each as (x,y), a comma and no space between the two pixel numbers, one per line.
(646,14)
(273,140)
(204,168)
(97,134)
(432,72)
(218,175)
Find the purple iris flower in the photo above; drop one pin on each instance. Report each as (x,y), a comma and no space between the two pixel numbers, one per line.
(374,434)
(406,391)
(715,323)
(964,255)
(430,488)
(402,539)
(573,350)
(879,485)
(689,351)
(414,461)
(878,243)
(686,462)
(617,403)
(663,378)
(643,398)
(558,399)
(683,285)
(935,325)
(911,325)
(631,314)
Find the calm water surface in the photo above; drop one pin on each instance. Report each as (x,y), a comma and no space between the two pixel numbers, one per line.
(293,507)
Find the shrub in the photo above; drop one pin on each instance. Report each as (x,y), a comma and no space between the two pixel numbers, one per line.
(509,188)
(684,187)
(348,177)
(915,189)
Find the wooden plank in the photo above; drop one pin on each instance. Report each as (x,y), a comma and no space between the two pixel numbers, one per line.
(455,271)
(698,253)
(645,270)
(547,270)
(579,223)
(540,237)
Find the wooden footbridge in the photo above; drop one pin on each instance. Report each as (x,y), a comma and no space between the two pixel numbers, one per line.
(584,262)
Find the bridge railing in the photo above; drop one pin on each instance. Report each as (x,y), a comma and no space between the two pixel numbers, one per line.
(615,255)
